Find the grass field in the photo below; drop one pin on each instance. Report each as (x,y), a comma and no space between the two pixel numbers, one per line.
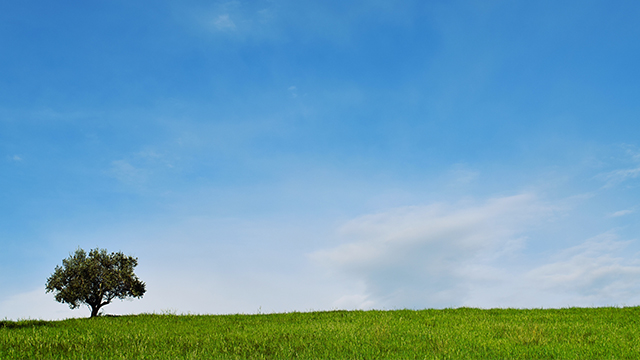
(573,333)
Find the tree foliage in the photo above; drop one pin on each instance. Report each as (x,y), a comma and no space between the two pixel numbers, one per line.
(95,280)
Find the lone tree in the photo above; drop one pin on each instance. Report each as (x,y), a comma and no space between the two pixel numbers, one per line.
(95,280)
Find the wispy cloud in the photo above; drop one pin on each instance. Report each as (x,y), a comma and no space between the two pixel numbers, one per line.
(622,213)
(142,167)
(441,256)
(426,256)
(15,158)
(224,23)
(620,175)
(616,177)
(460,174)
(127,173)
(633,152)
(592,273)
(293,91)
(243,20)
(36,304)
(273,20)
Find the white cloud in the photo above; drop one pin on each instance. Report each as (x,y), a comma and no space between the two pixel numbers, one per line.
(633,152)
(460,175)
(356,301)
(592,273)
(271,21)
(439,256)
(127,173)
(621,213)
(207,265)
(37,304)
(616,177)
(427,256)
(142,167)
(293,91)
(469,254)
(224,23)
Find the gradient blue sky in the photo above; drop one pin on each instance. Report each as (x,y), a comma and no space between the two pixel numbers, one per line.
(311,155)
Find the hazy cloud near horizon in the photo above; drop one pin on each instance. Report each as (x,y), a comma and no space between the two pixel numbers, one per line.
(469,256)
(469,253)
(411,256)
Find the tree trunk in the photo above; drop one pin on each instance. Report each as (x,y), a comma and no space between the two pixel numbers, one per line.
(94,310)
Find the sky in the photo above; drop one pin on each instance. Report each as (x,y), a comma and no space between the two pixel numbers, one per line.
(277,155)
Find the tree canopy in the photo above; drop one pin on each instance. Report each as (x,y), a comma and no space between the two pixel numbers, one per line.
(95,279)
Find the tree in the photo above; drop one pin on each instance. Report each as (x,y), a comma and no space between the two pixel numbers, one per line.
(95,280)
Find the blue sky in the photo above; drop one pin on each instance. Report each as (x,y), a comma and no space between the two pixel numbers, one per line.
(291,156)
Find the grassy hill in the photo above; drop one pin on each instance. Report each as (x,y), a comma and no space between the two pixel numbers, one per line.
(572,333)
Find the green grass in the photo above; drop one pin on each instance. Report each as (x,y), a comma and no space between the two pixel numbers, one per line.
(573,333)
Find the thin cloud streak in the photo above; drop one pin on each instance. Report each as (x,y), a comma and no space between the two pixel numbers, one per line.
(622,213)
(619,176)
